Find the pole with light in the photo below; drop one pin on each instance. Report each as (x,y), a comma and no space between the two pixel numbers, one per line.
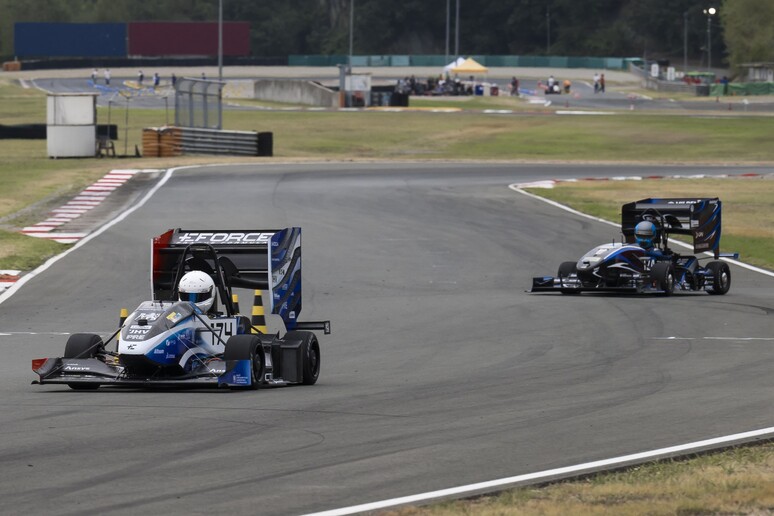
(710,13)
(685,42)
(220,40)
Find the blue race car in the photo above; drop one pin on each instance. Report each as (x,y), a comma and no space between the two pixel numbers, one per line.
(183,336)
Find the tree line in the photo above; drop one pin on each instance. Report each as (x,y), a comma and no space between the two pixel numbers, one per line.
(741,31)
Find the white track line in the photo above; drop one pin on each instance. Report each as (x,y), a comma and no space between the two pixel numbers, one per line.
(554,474)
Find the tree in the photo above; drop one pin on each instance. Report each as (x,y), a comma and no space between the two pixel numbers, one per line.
(748,27)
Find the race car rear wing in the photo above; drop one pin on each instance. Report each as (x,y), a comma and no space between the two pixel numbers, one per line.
(697,217)
(259,259)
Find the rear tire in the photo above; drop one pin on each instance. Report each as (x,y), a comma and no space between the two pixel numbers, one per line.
(247,347)
(663,276)
(721,277)
(310,355)
(83,345)
(565,269)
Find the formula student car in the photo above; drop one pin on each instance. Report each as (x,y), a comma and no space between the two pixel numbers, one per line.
(627,266)
(182,336)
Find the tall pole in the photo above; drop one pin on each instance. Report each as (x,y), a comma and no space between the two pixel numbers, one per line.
(709,43)
(351,27)
(448,15)
(710,13)
(220,40)
(685,42)
(548,29)
(457,33)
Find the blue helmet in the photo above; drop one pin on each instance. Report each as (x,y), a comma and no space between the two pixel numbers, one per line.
(645,233)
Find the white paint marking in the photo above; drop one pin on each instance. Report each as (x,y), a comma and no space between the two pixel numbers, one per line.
(715,338)
(502,483)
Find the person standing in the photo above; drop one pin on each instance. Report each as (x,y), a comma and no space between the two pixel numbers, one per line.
(94,76)
(514,87)
(156,79)
(107,76)
(174,79)
(140,77)
(602,83)
(596,82)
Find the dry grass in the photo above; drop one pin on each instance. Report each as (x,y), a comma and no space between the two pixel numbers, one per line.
(736,481)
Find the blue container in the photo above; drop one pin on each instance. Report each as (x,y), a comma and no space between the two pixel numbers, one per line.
(69,39)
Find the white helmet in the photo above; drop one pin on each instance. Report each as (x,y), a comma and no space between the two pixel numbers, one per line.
(198,288)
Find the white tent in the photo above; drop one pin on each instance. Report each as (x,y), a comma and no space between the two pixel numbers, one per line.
(454,64)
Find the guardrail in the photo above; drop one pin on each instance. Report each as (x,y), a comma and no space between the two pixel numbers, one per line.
(174,141)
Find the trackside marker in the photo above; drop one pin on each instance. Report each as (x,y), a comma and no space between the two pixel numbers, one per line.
(558,473)
(259,318)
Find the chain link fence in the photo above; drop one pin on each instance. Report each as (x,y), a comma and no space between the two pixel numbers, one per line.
(199,103)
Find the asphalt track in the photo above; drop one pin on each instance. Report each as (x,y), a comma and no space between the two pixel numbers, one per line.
(441,370)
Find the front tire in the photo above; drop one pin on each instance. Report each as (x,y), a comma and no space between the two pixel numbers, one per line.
(721,277)
(663,276)
(247,347)
(83,345)
(310,355)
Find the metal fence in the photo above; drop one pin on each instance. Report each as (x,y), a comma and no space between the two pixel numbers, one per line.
(199,103)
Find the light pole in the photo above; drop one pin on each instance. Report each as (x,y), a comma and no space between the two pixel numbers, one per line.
(351,25)
(548,29)
(710,13)
(457,33)
(685,42)
(446,59)
(220,40)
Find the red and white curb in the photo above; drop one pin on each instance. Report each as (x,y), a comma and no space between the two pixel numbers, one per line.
(91,197)
(8,278)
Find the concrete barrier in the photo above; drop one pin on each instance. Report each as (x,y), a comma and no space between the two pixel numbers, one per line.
(289,91)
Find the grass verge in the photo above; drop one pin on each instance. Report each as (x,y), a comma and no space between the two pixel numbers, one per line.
(736,481)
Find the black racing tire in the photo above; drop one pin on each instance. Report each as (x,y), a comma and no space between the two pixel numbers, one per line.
(310,355)
(247,347)
(83,345)
(565,269)
(721,277)
(663,275)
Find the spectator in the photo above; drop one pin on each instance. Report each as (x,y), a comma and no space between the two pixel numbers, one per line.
(94,76)
(174,79)
(724,82)
(204,77)
(602,83)
(140,77)
(596,82)
(156,79)
(514,87)
(107,76)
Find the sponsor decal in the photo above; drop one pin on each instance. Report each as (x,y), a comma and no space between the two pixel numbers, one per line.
(74,368)
(148,316)
(159,352)
(223,238)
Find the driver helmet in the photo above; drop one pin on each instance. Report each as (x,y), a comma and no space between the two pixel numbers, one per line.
(645,234)
(198,288)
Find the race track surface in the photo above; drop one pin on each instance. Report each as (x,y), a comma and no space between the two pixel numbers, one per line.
(441,369)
